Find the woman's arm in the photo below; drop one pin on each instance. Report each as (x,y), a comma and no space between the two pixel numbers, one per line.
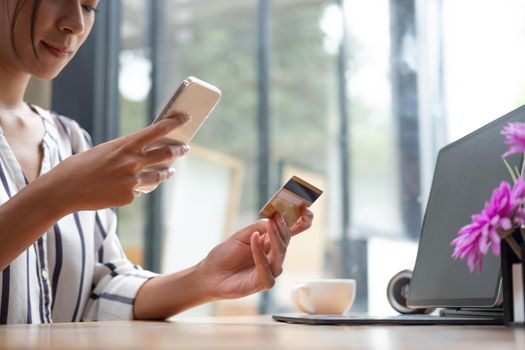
(102,177)
(164,296)
(247,262)
(26,216)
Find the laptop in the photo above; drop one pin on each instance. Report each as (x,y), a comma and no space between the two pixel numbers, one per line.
(466,172)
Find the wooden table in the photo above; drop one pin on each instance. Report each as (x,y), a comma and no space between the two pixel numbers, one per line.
(254,333)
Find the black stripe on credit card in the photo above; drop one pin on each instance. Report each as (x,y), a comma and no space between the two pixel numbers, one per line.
(302,191)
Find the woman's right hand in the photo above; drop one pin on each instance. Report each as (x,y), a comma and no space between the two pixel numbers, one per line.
(108,174)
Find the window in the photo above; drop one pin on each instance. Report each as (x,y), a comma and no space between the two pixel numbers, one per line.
(364,122)
(134,87)
(216,190)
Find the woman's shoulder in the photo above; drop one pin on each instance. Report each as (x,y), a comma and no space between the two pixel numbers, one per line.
(64,128)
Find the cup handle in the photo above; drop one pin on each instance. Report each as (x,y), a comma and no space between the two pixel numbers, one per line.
(301,293)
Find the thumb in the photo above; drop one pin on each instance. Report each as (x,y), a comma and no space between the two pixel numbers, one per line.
(263,269)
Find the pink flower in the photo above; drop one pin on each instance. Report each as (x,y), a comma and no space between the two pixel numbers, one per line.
(514,134)
(501,213)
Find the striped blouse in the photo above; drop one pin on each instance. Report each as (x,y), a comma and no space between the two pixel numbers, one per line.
(77,270)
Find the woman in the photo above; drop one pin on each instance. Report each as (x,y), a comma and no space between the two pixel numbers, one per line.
(60,258)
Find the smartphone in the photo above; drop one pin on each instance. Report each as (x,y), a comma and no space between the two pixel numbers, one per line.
(295,194)
(195,98)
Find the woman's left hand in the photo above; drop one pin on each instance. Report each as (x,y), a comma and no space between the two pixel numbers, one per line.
(250,260)
(247,262)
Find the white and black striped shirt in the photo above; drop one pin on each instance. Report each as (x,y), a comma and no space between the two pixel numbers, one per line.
(77,270)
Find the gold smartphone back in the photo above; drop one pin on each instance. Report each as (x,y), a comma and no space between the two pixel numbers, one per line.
(195,98)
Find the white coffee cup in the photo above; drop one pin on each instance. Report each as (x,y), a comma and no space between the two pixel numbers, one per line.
(324,296)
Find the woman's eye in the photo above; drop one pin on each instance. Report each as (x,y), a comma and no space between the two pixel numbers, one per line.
(89,9)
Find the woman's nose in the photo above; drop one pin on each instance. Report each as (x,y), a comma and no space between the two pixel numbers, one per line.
(72,19)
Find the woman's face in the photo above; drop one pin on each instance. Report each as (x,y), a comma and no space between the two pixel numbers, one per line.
(60,28)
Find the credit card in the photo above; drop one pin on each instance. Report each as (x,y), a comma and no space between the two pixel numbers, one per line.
(290,198)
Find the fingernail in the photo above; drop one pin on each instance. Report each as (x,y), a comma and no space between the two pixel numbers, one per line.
(171,172)
(175,150)
(178,150)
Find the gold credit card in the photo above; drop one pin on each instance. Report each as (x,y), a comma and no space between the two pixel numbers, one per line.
(290,198)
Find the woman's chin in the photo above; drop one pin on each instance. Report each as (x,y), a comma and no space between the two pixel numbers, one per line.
(46,74)
(45,70)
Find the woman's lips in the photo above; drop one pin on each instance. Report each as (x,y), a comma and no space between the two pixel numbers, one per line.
(56,50)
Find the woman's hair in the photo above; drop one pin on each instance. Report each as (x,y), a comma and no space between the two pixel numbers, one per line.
(18,8)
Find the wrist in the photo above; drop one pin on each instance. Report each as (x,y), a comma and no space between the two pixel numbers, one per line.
(205,286)
(54,193)
(164,296)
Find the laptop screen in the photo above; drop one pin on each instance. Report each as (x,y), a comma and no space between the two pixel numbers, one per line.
(466,173)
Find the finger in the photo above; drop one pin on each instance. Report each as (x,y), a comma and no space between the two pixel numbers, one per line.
(165,154)
(283,229)
(152,178)
(266,244)
(263,272)
(278,249)
(273,235)
(303,223)
(159,129)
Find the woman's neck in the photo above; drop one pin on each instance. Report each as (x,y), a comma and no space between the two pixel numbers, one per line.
(12,88)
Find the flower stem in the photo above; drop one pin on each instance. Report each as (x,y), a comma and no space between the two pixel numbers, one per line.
(511,172)
(523,165)
(514,246)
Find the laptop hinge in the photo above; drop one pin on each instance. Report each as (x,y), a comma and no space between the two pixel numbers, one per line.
(472,312)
